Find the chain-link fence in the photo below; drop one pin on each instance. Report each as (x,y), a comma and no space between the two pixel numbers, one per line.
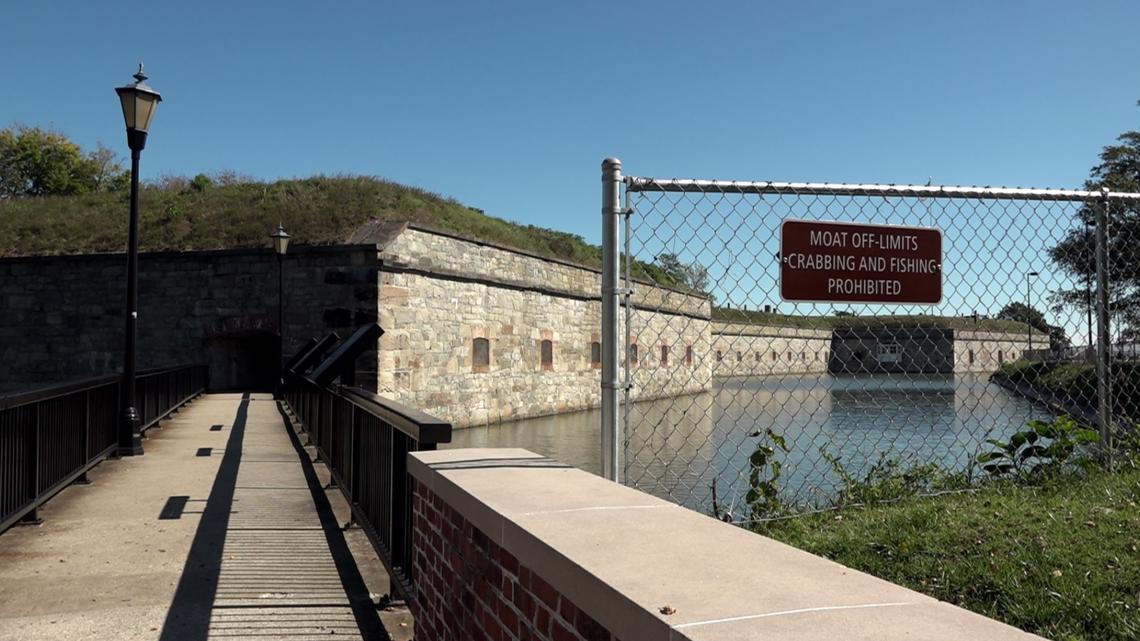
(736,400)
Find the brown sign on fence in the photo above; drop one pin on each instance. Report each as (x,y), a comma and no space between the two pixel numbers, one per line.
(833,262)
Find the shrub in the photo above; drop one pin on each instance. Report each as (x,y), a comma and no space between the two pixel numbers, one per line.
(1043,448)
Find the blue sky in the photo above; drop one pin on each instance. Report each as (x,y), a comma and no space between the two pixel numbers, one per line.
(511,106)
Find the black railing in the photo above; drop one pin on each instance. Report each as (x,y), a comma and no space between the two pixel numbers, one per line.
(52,436)
(364,440)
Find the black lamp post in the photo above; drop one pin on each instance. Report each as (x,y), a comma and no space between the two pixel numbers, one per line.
(139,103)
(1028,319)
(280,246)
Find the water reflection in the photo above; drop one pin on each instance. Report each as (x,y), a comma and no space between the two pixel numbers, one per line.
(678,448)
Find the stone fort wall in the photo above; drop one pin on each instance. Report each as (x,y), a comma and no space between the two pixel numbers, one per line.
(742,349)
(436,295)
(63,315)
(439,294)
(978,351)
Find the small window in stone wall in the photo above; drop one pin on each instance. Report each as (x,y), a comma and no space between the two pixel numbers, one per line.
(689,355)
(481,354)
(775,357)
(719,356)
(547,349)
(758,356)
(664,355)
(596,354)
(971,357)
(633,355)
(739,357)
(1001,357)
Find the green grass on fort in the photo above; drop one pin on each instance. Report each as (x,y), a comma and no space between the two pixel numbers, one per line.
(233,211)
(889,321)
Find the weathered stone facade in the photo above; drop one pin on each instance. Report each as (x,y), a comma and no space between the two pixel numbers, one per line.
(741,349)
(439,294)
(63,315)
(925,350)
(977,351)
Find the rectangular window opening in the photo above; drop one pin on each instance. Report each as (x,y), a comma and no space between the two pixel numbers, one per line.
(481,354)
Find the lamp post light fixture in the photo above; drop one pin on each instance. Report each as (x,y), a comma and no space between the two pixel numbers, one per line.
(1028,320)
(139,103)
(280,246)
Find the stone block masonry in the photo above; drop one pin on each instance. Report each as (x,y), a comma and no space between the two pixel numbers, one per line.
(63,315)
(741,349)
(539,321)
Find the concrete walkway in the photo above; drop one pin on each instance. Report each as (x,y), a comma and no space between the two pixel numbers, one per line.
(222,530)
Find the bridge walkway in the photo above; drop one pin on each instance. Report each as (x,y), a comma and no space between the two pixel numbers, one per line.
(222,530)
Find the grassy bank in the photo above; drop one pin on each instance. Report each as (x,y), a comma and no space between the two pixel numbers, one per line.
(1061,560)
(1077,381)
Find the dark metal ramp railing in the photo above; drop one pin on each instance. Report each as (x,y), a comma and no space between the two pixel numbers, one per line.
(52,436)
(364,440)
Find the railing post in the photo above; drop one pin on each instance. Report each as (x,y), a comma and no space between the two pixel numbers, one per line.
(1104,340)
(32,517)
(611,211)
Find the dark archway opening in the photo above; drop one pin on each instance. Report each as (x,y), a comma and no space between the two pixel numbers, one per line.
(246,361)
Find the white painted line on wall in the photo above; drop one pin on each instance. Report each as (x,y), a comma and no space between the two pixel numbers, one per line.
(599,508)
(786,612)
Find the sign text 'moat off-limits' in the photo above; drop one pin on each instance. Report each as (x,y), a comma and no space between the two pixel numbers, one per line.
(833,262)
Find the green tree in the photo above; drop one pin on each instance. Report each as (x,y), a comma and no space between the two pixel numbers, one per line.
(692,275)
(41,162)
(1119,170)
(1018,311)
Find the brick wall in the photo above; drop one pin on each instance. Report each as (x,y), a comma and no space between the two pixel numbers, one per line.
(469,588)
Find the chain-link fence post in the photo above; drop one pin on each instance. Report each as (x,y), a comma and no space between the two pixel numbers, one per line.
(1103,339)
(611,212)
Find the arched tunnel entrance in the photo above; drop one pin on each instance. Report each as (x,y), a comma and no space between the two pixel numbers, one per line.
(244,361)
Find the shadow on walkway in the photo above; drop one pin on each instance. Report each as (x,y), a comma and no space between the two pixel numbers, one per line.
(276,567)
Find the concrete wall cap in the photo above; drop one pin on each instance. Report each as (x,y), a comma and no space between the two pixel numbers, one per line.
(624,557)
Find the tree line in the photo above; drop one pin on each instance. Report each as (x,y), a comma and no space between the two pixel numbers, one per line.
(40,162)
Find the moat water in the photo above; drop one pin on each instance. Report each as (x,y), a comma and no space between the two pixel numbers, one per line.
(677,448)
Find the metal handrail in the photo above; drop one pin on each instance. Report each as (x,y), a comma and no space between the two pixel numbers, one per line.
(23,397)
(54,435)
(421,426)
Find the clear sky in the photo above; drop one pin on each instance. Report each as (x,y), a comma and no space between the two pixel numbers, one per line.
(511,106)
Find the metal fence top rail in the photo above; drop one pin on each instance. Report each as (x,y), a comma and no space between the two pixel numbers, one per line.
(9,400)
(423,427)
(636,184)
